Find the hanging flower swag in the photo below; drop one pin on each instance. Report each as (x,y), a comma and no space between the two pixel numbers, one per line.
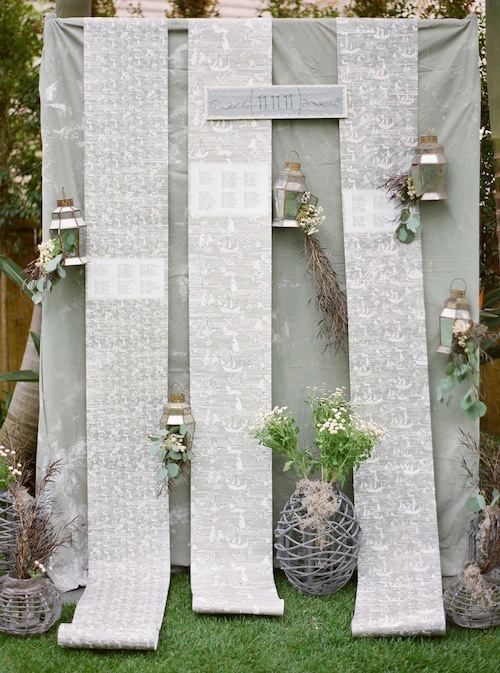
(402,189)
(330,300)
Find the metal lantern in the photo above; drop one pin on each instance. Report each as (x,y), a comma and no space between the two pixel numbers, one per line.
(177,412)
(429,169)
(69,228)
(287,194)
(456,307)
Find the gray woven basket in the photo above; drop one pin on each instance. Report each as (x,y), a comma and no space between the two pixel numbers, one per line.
(318,563)
(473,531)
(469,611)
(28,606)
(8,526)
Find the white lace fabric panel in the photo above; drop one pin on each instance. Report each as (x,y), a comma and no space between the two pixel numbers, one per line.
(230,325)
(126,211)
(399,576)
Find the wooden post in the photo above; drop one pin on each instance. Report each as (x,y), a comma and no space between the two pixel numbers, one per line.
(493,78)
(66,9)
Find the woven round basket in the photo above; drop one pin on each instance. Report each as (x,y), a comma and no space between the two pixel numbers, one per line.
(318,563)
(8,526)
(28,606)
(473,531)
(471,611)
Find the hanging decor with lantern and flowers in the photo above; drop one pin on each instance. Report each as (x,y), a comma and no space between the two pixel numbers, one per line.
(295,207)
(65,247)
(172,445)
(460,338)
(426,181)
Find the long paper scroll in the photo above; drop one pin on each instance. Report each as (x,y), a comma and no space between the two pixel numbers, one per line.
(399,577)
(126,191)
(230,325)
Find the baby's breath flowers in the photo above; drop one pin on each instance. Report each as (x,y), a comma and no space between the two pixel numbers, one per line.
(11,470)
(45,271)
(463,367)
(170,448)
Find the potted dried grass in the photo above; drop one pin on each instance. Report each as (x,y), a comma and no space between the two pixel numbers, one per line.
(29,602)
(318,535)
(473,599)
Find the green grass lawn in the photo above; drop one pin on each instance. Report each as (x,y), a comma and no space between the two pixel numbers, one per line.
(312,637)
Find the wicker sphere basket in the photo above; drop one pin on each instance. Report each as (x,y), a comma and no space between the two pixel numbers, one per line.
(318,563)
(8,526)
(465,607)
(28,606)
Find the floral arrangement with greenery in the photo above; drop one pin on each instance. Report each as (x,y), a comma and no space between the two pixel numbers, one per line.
(342,438)
(45,271)
(170,447)
(463,367)
(330,300)
(402,189)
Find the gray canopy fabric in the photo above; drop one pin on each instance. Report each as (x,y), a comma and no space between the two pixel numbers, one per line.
(304,52)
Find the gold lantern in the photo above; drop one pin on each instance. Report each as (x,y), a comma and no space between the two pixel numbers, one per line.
(429,169)
(456,307)
(68,227)
(177,413)
(287,194)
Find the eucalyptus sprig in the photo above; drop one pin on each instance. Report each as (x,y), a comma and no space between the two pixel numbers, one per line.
(402,189)
(170,448)
(463,367)
(45,271)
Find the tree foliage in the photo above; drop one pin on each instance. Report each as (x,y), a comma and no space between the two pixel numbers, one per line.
(20,142)
(193,9)
(300,9)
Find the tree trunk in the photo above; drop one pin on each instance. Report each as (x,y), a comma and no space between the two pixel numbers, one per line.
(22,416)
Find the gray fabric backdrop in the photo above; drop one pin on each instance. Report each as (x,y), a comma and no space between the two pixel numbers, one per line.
(304,52)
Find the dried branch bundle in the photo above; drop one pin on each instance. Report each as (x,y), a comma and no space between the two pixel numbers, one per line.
(330,300)
(37,537)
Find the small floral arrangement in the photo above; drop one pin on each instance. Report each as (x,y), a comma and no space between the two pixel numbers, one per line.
(402,190)
(463,367)
(171,449)
(45,271)
(310,216)
(344,440)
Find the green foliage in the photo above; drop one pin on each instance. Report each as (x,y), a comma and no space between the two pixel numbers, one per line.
(193,9)
(170,448)
(20,144)
(342,438)
(299,9)
(103,8)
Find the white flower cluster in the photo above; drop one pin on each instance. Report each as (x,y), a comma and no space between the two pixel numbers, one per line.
(265,417)
(39,567)
(410,188)
(310,217)
(174,443)
(47,250)
(461,331)
(10,455)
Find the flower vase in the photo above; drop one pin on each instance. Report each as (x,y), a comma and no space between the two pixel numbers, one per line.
(28,606)
(318,560)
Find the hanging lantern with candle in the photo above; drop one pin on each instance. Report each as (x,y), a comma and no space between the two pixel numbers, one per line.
(456,307)
(177,414)
(429,169)
(69,229)
(287,194)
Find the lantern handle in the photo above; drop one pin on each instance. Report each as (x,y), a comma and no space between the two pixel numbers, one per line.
(463,281)
(177,383)
(295,152)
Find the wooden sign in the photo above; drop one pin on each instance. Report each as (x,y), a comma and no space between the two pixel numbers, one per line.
(276,102)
